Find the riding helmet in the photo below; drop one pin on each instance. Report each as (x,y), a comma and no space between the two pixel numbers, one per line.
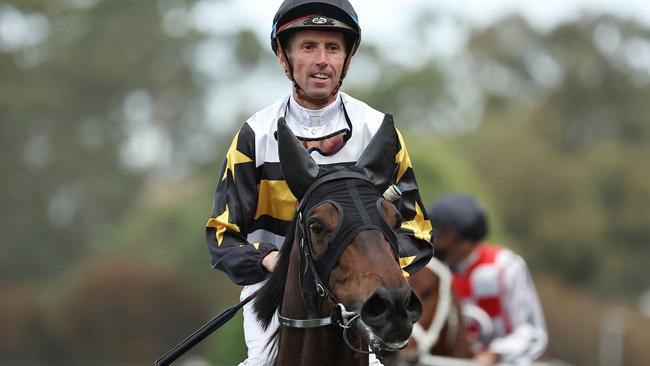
(461,214)
(325,14)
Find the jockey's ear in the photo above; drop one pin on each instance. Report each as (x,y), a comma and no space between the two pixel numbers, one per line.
(378,159)
(298,168)
(283,61)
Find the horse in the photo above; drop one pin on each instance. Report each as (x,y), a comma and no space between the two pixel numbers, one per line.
(337,289)
(440,330)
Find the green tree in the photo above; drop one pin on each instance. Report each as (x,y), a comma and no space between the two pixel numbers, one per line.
(83,88)
(566,168)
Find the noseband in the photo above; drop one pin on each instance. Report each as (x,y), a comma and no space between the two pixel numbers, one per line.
(358,204)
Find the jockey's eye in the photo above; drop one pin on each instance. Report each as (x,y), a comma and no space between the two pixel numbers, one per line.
(316,228)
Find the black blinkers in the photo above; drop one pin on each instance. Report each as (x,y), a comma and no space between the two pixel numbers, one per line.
(358,203)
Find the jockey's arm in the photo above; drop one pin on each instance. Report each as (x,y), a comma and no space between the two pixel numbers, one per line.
(234,205)
(414,236)
(528,338)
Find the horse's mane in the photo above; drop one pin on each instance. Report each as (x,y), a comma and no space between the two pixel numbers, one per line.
(269,298)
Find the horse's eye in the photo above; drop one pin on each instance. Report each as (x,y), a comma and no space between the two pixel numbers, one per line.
(316,228)
(398,221)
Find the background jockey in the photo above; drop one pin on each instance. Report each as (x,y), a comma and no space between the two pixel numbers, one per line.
(492,279)
(253,207)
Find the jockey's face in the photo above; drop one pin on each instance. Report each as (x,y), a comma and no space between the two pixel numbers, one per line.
(454,248)
(317,58)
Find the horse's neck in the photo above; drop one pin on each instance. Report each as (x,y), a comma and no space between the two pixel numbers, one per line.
(315,346)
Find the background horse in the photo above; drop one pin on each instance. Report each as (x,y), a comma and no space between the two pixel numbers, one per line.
(338,266)
(440,329)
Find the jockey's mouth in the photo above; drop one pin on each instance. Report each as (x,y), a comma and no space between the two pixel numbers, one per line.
(320,76)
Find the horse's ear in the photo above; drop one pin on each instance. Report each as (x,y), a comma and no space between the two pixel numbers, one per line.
(378,159)
(298,168)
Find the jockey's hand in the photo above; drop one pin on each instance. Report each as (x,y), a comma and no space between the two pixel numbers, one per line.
(270,260)
(486,358)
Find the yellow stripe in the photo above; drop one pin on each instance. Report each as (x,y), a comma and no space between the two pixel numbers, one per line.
(275,200)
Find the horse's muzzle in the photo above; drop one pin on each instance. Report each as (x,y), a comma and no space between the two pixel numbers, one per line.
(387,317)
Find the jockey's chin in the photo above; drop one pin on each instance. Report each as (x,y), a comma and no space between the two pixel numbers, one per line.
(316,97)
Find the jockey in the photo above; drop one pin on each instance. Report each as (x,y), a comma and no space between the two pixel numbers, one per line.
(314,41)
(492,281)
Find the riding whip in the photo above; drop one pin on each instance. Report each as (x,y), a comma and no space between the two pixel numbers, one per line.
(201,333)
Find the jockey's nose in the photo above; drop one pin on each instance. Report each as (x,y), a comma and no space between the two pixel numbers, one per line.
(392,312)
(322,57)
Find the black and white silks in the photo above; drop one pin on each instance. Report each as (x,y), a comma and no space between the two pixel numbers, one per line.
(253,206)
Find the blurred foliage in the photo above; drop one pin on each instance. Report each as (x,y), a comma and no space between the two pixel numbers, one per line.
(108,166)
(575,322)
(566,170)
(122,311)
(64,127)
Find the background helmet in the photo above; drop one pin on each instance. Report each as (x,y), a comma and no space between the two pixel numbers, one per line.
(461,214)
(325,14)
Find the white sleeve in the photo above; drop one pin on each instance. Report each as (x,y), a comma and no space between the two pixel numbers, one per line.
(528,338)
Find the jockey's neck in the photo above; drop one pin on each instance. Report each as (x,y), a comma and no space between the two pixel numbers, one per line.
(308,102)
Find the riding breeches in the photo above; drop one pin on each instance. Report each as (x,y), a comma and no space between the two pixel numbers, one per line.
(256,337)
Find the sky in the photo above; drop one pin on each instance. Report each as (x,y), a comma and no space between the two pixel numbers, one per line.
(378,16)
(383,23)
(386,25)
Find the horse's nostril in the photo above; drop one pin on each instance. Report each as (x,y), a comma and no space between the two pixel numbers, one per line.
(414,307)
(374,310)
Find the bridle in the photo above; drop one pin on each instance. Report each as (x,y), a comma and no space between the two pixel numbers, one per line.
(313,269)
(427,338)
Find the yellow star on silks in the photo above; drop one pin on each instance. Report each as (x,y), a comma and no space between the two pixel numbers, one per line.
(221,224)
(420,227)
(234,157)
(402,158)
(405,262)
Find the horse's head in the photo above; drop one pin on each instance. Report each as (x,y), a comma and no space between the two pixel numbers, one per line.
(439,330)
(346,235)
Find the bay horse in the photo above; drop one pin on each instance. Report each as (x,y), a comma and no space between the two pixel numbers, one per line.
(337,289)
(440,330)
